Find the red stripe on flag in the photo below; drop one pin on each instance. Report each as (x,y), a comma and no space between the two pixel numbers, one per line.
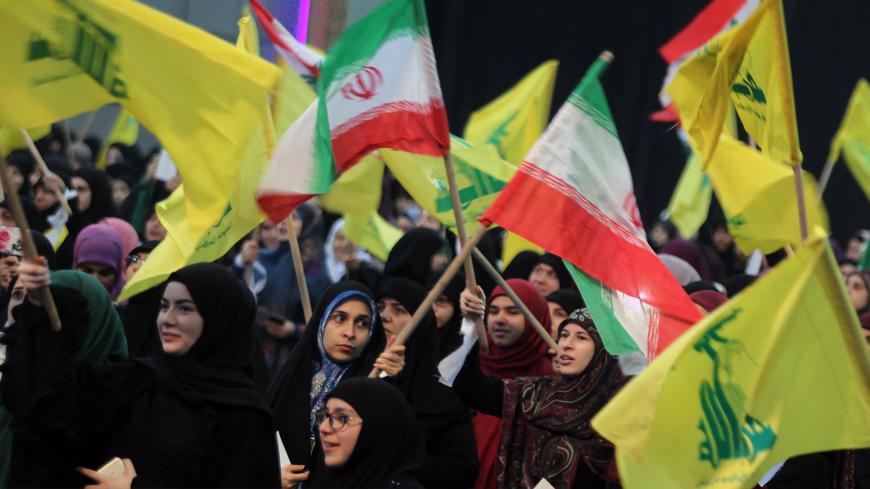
(566,223)
(413,132)
(668,114)
(701,29)
(278,206)
(268,22)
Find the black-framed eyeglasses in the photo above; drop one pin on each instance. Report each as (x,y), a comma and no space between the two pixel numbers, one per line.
(337,420)
(131,259)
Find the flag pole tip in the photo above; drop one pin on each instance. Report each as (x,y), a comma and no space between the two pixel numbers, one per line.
(606,56)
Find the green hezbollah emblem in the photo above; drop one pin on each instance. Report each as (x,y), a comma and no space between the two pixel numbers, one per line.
(726,436)
(748,88)
(85,43)
(478,184)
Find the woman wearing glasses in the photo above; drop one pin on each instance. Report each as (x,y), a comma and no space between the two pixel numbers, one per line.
(341,340)
(370,437)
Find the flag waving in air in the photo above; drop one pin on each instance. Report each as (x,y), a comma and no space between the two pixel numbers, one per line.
(378,88)
(779,371)
(302,58)
(578,177)
(853,137)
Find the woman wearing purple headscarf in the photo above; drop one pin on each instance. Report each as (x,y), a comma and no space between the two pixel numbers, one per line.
(99,252)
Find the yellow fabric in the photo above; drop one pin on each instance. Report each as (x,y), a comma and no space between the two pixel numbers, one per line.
(759,198)
(11,138)
(780,370)
(513,122)
(853,137)
(480,176)
(125,131)
(291,99)
(356,195)
(186,243)
(748,66)
(690,202)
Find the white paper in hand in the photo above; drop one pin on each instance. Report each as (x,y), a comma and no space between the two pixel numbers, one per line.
(544,484)
(166,170)
(452,364)
(283,458)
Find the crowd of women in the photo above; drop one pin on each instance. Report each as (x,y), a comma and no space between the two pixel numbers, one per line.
(215,378)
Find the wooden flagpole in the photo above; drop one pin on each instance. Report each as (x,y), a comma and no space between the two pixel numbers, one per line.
(299,268)
(801,201)
(436,291)
(43,168)
(826,175)
(27,244)
(470,279)
(514,297)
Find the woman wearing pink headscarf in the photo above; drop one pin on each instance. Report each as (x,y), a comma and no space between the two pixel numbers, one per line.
(99,252)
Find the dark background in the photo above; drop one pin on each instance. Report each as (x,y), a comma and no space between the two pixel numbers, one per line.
(483,47)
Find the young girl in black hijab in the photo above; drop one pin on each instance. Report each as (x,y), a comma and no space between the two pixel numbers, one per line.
(341,340)
(371,436)
(188,417)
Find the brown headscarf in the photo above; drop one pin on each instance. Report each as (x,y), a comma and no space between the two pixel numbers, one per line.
(546,431)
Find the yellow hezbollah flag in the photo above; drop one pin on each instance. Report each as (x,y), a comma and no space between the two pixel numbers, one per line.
(11,137)
(690,202)
(185,243)
(758,197)
(513,122)
(853,137)
(781,370)
(480,176)
(356,195)
(202,97)
(125,131)
(748,66)
(292,97)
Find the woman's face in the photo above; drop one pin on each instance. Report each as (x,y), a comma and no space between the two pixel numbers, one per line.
(16,178)
(347,330)
(178,321)
(339,431)
(154,230)
(84,190)
(576,349)
(269,235)
(443,309)
(8,269)
(858,292)
(120,191)
(104,273)
(43,198)
(557,315)
(342,247)
(394,316)
(439,261)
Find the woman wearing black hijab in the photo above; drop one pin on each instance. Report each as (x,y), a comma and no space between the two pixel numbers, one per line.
(94,194)
(317,365)
(451,451)
(387,446)
(448,316)
(412,256)
(188,417)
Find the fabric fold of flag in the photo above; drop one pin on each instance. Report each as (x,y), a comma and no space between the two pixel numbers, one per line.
(578,177)
(853,137)
(722,405)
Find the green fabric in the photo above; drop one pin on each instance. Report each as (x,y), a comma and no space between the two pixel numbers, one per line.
(616,340)
(104,340)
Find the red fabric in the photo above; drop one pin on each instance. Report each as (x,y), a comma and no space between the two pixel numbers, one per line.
(708,299)
(701,29)
(266,21)
(403,130)
(278,206)
(528,357)
(668,114)
(487,432)
(577,231)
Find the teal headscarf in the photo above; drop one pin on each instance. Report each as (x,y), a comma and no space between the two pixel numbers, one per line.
(103,342)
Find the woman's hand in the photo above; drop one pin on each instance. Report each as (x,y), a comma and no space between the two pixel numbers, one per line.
(123,481)
(471,304)
(291,475)
(392,360)
(33,275)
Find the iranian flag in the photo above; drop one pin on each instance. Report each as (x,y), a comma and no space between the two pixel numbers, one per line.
(573,196)
(716,17)
(378,88)
(302,58)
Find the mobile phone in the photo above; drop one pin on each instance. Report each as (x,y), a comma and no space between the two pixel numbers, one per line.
(112,468)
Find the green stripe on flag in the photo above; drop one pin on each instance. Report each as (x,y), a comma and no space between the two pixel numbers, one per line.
(589,97)
(616,340)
